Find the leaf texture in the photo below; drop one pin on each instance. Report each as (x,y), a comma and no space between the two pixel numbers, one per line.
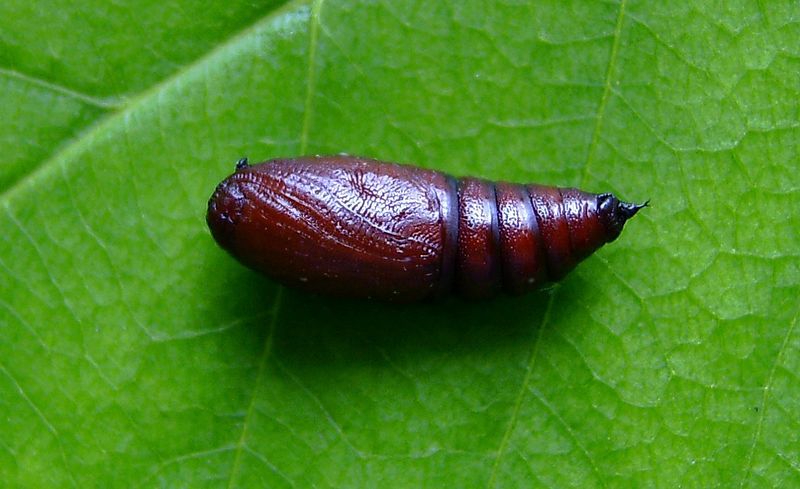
(135,353)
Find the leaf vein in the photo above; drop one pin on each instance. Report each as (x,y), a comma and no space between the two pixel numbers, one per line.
(763,409)
(99,102)
(262,367)
(570,433)
(601,110)
(328,416)
(135,102)
(316,10)
(521,394)
(40,414)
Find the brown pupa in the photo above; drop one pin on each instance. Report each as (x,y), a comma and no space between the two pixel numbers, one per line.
(358,227)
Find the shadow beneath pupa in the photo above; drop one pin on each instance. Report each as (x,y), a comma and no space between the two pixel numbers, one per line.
(326,332)
(316,331)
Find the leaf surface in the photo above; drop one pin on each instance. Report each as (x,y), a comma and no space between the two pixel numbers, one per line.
(135,353)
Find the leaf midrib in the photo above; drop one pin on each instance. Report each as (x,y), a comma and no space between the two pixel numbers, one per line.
(307,109)
(92,132)
(601,110)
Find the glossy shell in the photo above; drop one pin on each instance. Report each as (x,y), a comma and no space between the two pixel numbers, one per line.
(357,227)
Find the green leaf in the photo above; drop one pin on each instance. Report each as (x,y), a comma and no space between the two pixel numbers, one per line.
(135,353)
